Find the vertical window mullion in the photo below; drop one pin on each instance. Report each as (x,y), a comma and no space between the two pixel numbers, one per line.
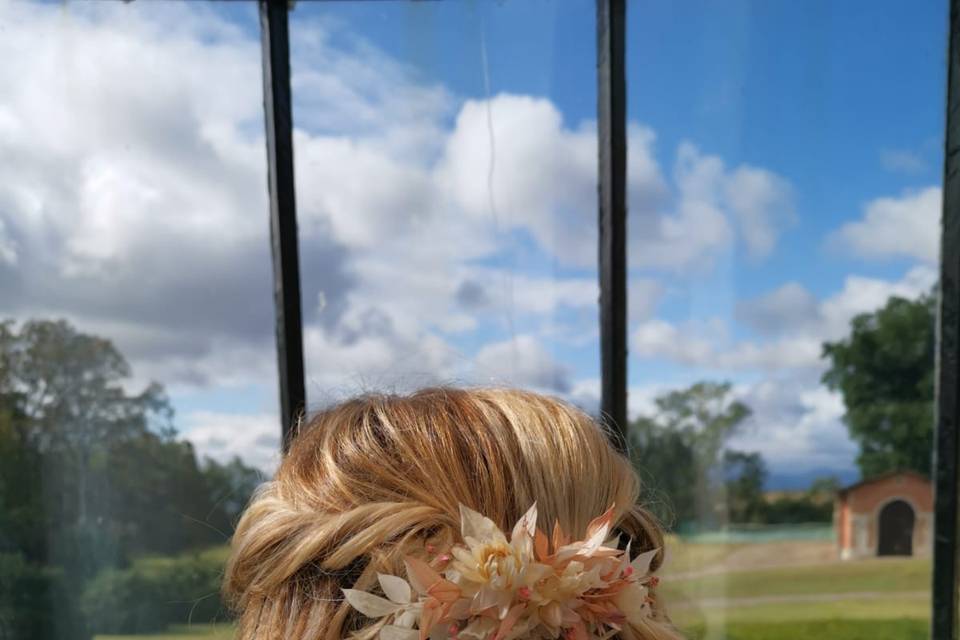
(612,139)
(277,109)
(947,476)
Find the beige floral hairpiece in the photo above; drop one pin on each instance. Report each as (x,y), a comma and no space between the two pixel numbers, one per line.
(489,588)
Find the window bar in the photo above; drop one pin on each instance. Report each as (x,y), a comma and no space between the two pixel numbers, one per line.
(612,138)
(275,47)
(947,475)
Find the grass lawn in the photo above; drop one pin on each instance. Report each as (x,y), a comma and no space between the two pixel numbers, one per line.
(884,575)
(822,630)
(870,610)
(183,632)
(683,557)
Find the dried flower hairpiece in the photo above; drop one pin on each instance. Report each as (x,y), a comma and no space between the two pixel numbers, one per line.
(489,588)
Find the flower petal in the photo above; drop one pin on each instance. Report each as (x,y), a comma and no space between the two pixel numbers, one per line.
(509,620)
(478,629)
(473,525)
(559,539)
(368,604)
(641,564)
(527,524)
(600,522)
(390,632)
(484,599)
(397,589)
(632,602)
(552,615)
(445,591)
(541,544)
(597,532)
(421,575)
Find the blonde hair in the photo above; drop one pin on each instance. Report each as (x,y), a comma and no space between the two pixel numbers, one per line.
(381,476)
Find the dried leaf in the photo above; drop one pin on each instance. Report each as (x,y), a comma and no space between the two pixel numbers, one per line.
(641,564)
(597,532)
(368,604)
(421,575)
(397,589)
(526,524)
(445,591)
(541,544)
(479,527)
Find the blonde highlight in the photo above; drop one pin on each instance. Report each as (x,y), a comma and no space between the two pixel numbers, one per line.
(379,477)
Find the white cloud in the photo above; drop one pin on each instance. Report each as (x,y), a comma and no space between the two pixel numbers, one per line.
(792,310)
(762,204)
(710,206)
(789,307)
(8,250)
(794,325)
(796,425)
(522,362)
(907,226)
(708,346)
(253,437)
(659,338)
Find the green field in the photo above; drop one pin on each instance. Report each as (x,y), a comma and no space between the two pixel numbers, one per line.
(713,593)
(887,576)
(185,632)
(824,630)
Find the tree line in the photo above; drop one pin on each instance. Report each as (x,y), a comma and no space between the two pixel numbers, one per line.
(92,477)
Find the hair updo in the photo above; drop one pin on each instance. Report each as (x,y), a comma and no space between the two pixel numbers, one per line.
(379,477)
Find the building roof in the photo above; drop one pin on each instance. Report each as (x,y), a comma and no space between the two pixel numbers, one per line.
(883,476)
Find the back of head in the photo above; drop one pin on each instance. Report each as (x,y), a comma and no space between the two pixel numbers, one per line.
(381,477)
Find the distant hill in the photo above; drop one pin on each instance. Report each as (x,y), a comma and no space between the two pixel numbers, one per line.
(799,481)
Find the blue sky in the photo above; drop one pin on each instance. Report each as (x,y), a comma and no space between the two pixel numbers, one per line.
(785,168)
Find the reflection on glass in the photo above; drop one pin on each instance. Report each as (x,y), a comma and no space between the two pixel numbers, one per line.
(784,238)
(446,173)
(137,370)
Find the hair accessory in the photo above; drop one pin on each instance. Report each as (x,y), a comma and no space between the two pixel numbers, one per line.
(532,586)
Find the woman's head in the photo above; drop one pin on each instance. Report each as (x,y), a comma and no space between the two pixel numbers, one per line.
(381,477)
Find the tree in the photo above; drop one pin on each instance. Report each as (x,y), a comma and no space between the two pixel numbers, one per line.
(744,476)
(679,450)
(230,486)
(92,475)
(885,370)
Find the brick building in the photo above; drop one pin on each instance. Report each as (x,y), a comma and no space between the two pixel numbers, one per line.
(891,514)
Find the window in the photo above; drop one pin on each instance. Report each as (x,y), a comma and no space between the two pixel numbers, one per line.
(784,190)
(432,174)
(446,195)
(137,341)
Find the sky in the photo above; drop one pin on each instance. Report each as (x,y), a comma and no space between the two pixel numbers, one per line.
(784,172)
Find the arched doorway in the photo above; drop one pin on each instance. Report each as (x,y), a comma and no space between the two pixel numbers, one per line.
(895,527)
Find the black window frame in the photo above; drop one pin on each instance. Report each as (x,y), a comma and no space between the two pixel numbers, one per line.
(612,264)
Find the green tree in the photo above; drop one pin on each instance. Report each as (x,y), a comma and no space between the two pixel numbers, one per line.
(744,476)
(93,476)
(885,370)
(108,461)
(230,486)
(679,450)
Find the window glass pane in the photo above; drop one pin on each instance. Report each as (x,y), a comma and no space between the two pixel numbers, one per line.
(784,205)
(446,177)
(136,345)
